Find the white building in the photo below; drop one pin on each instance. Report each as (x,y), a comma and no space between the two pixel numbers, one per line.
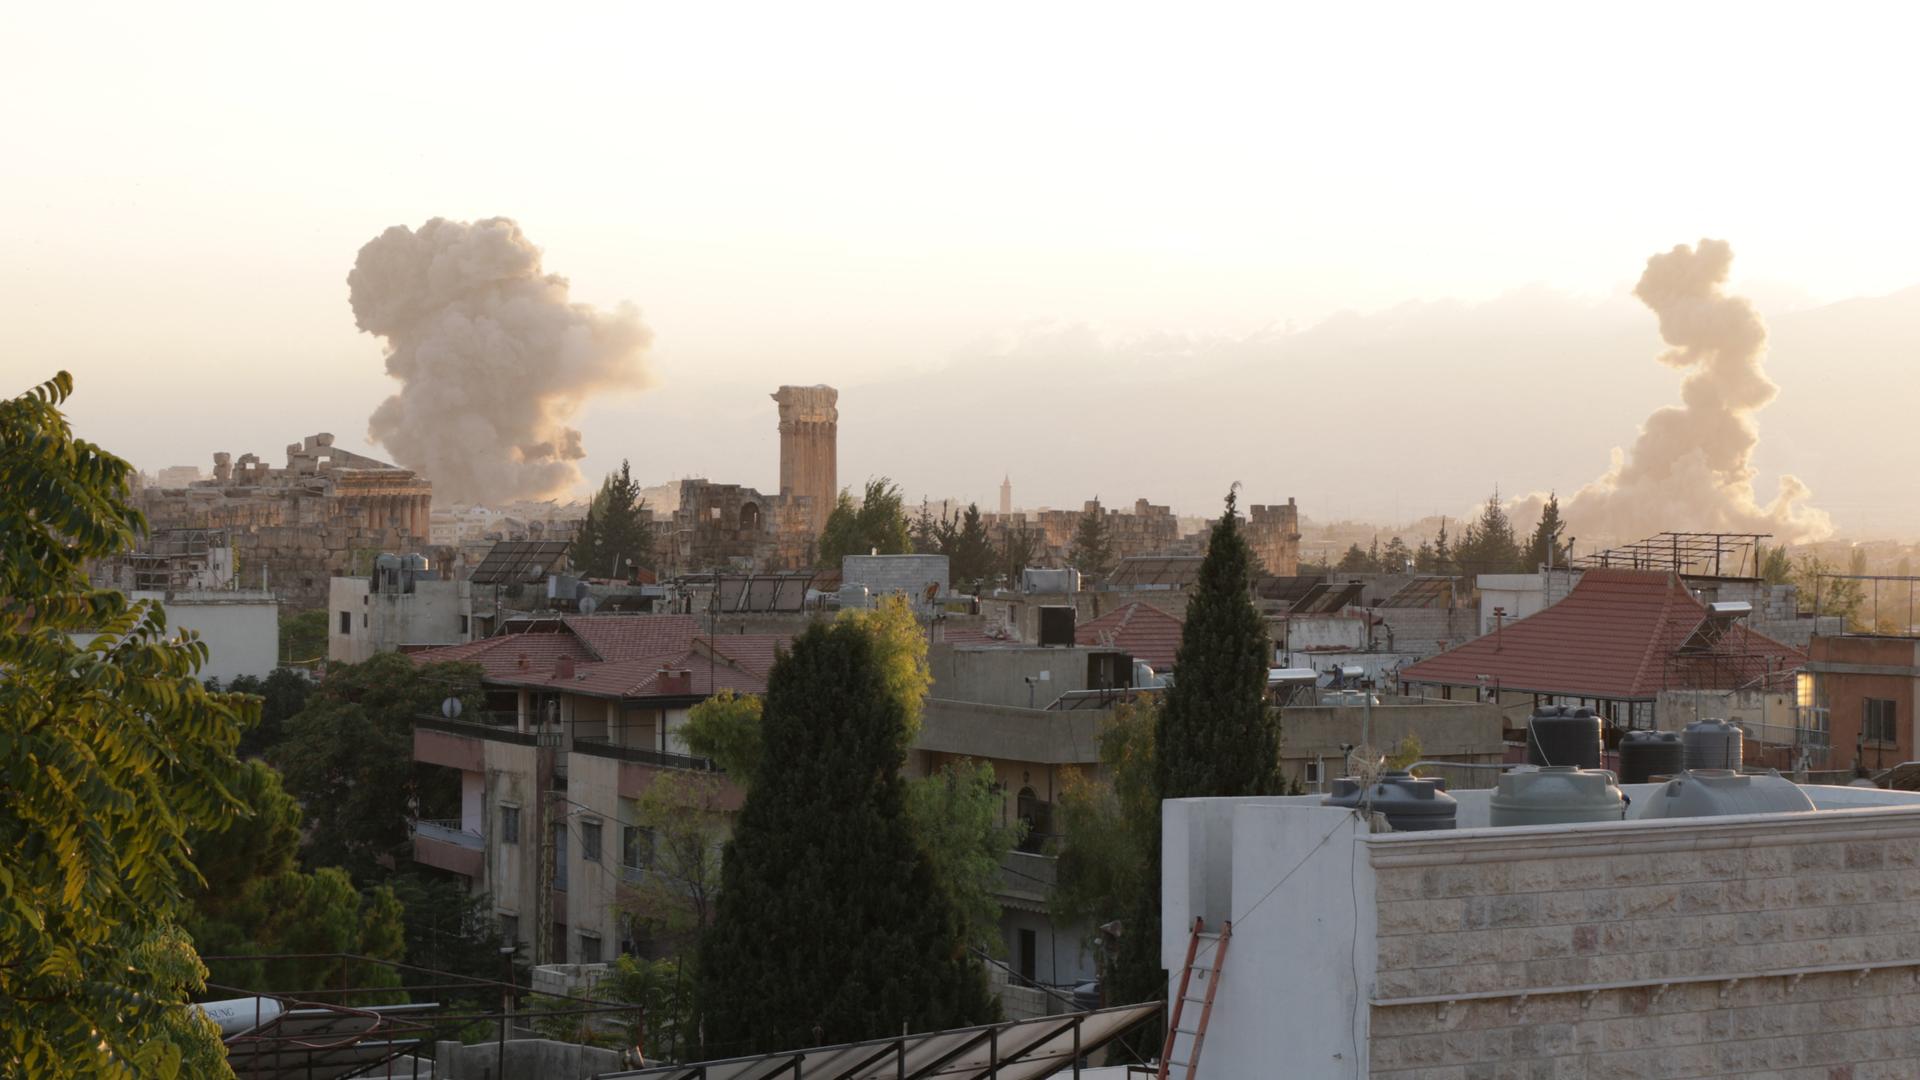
(240,626)
(1776,944)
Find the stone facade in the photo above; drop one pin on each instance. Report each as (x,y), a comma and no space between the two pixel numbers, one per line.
(1741,906)
(305,523)
(1274,533)
(809,441)
(730,527)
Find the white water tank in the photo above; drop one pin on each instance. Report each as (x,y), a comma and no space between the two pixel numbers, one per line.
(1556,795)
(1717,792)
(239,1015)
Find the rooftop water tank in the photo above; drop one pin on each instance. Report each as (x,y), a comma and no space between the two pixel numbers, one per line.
(1563,735)
(1712,744)
(1556,795)
(1716,792)
(1410,803)
(1647,754)
(239,1015)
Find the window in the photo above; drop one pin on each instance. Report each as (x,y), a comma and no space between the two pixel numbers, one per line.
(636,846)
(589,948)
(1025,958)
(509,824)
(510,928)
(1311,773)
(346,622)
(1878,720)
(590,841)
(363,619)
(464,626)
(560,870)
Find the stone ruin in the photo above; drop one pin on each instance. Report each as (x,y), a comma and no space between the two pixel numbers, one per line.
(326,513)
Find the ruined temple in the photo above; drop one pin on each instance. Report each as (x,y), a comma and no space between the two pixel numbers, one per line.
(1274,534)
(734,527)
(325,513)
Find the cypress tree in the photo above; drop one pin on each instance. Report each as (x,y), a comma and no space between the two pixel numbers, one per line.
(1215,735)
(1545,546)
(1092,552)
(830,925)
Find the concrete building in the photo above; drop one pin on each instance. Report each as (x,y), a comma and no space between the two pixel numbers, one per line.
(169,560)
(367,616)
(1314,738)
(809,449)
(584,714)
(304,524)
(865,579)
(1765,944)
(1862,693)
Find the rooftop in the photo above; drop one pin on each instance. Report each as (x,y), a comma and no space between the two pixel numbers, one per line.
(1620,635)
(1142,631)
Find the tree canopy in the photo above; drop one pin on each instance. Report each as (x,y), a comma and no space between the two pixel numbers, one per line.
(348,757)
(878,525)
(970,556)
(1092,552)
(1488,545)
(1545,546)
(618,529)
(831,925)
(111,755)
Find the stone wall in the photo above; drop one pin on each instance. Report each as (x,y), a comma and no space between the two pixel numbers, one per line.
(320,517)
(1692,948)
(1274,533)
(809,453)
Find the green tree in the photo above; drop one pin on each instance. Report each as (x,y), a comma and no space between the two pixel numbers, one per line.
(1216,736)
(111,754)
(303,637)
(1424,559)
(1108,826)
(1443,560)
(925,531)
(449,928)
(1545,547)
(726,728)
(348,758)
(1092,552)
(1488,545)
(970,554)
(684,823)
(1018,548)
(831,924)
(878,525)
(1776,568)
(956,823)
(618,530)
(283,693)
(261,842)
(306,930)
(1355,561)
(1396,558)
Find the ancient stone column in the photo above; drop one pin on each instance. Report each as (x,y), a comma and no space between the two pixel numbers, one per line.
(809,435)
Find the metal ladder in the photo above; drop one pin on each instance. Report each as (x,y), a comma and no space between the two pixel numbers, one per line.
(1210,974)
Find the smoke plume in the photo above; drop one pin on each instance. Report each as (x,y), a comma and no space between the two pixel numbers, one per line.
(492,357)
(1691,468)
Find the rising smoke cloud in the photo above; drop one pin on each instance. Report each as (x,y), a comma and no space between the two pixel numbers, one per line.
(1691,467)
(492,358)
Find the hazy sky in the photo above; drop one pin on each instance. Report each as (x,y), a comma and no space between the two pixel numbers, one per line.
(861,195)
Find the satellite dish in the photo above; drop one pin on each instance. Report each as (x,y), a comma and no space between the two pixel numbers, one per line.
(450,708)
(587,605)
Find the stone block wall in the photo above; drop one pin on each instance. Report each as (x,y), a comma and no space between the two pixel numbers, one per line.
(1774,928)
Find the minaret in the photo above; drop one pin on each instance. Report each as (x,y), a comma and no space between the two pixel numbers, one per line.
(1006,497)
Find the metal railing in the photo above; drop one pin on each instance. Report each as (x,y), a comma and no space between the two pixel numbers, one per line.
(448,831)
(639,755)
(496,732)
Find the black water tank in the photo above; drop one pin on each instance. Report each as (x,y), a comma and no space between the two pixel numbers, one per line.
(1647,754)
(1056,624)
(1563,735)
(1410,803)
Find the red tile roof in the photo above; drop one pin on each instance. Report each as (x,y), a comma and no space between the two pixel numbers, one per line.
(628,637)
(1140,630)
(1617,635)
(508,655)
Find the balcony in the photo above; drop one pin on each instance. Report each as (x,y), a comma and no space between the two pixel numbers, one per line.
(444,844)
(1027,880)
(642,756)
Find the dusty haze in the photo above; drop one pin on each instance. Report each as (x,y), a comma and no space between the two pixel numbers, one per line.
(492,358)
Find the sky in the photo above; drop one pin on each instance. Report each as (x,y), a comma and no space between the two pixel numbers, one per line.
(1007,199)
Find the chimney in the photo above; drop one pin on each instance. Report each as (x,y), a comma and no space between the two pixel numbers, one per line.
(673,682)
(563,667)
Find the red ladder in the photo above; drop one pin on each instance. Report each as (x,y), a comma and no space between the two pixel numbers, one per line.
(1211,975)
